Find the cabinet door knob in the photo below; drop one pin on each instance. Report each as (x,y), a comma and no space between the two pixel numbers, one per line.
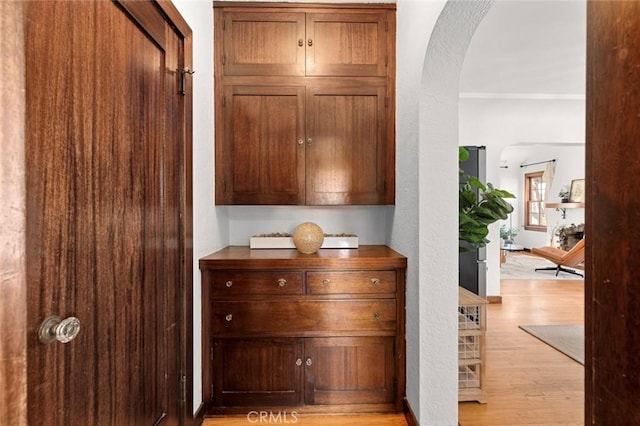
(309,141)
(282,282)
(300,42)
(229,283)
(300,142)
(310,42)
(299,362)
(309,361)
(228,317)
(375,281)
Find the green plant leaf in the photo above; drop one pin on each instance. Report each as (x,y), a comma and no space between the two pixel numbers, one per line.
(477,212)
(463,154)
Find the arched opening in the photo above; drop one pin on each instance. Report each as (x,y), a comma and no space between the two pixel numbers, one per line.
(437,210)
(437,249)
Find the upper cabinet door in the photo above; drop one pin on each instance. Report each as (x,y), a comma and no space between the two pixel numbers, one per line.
(264,43)
(285,44)
(261,154)
(348,149)
(304,103)
(347,44)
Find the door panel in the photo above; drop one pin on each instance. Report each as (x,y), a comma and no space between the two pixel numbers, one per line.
(104,194)
(346,161)
(262,154)
(347,44)
(612,280)
(258,372)
(263,43)
(340,370)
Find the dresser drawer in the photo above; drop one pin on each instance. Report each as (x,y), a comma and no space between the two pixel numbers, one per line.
(303,317)
(232,283)
(350,282)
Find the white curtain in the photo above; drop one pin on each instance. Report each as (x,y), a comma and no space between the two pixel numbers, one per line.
(547,178)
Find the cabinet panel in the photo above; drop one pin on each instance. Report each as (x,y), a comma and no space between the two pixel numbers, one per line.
(347,159)
(264,43)
(360,282)
(303,317)
(346,44)
(257,371)
(349,370)
(262,153)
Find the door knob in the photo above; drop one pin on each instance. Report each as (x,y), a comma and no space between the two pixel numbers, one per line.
(62,330)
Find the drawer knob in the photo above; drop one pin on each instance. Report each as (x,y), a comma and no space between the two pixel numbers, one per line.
(299,362)
(229,283)
(282,282)
(376,315)
(228,317)
(326,281)
(309,361)
(376,282)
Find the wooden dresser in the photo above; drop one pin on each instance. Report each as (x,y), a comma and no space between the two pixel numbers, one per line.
(322,333)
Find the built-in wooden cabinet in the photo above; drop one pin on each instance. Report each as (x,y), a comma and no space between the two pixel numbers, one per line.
(321,332)
(305,103)
(302,42)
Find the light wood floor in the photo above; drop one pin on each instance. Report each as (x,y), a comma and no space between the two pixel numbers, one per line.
(528,382)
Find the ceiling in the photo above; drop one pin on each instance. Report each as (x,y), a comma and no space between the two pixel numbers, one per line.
(528,48)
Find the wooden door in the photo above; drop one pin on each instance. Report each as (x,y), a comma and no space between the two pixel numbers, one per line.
(108,172)
(257,372)
(262,43)
(349,370)
(261,152)
(347,44)
(612,279)
(348,146)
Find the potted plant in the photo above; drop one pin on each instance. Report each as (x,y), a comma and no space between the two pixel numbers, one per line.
(507,234)
(564,195)
(477,212)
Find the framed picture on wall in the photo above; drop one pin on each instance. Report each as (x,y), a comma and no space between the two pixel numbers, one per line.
(576,194)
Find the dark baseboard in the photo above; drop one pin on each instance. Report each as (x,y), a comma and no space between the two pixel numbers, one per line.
(198,417)
(408,414)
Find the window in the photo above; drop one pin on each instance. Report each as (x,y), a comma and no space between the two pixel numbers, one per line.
(534,193)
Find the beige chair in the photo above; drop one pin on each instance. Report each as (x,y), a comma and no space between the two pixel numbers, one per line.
(574,258)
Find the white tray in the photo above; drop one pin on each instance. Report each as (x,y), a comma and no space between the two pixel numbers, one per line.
(287,242)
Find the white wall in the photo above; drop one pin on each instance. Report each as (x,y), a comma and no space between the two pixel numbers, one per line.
(569,165)
(500,122)
(425,378)
(367,222)
(438,206)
